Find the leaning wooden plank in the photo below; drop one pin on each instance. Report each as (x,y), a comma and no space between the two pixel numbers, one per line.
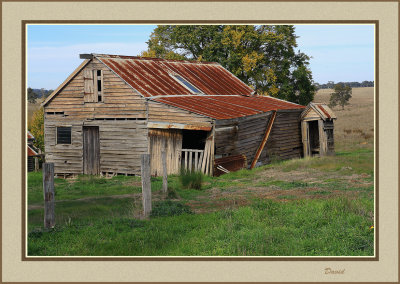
(203,164)
(200,161)
(261,147)
(212,152)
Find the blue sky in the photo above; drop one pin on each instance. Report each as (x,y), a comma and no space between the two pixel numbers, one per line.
(339,52)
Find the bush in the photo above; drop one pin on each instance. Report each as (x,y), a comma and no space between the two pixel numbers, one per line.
(191,179)
(171,193)
(169,208)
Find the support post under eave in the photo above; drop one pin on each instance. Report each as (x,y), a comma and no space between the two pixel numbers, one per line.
(264,140)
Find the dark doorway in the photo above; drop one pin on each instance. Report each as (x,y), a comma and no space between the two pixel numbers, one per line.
(91,150)
(314,137)
(194,139)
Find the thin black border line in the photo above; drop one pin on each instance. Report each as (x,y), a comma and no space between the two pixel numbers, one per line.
(24,23)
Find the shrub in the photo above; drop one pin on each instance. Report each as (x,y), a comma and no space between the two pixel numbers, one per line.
(36,127)
(171,193)
(191,179)
(169,208)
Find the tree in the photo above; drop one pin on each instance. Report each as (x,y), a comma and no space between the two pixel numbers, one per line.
(36,127)
(32,96)
(341,96)
(48,93)
(262,56)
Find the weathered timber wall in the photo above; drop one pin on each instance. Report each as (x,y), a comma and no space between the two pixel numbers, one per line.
(121,144)
(171,141)
(121,141)
(67,158)
(165,113)
(119,99)
(244,135)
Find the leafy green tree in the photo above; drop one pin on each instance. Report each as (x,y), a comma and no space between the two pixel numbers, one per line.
(32,96)
(262,56)
(36,127)
(341,95)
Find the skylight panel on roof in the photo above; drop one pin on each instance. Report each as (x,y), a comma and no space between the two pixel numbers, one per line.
(188,85)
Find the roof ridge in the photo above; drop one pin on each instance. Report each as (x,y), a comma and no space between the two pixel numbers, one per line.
(116,56)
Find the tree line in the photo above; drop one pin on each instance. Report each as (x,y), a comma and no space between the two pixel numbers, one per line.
(331,84)
(34,94)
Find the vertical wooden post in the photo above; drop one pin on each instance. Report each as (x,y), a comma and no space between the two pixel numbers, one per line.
(196,160)
(146,184)
(190,160)
(306,141)
(322,139)
(48,194)
(165,171)
(212,151)
(36,164)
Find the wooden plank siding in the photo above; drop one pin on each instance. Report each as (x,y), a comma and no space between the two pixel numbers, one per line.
(119,99)
(170,141)
(244,135)
(159,112)
(121,144)
(122,141)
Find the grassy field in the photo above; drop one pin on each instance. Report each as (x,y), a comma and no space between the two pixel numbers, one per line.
(33,107)
(302,207)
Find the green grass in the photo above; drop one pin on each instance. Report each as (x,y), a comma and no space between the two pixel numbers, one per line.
(83,186)
(315,227)
(90,221)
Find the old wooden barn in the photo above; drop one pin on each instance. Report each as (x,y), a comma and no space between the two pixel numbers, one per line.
(112,109)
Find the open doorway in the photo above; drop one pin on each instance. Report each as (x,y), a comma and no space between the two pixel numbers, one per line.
(194,139)
(314,137)
(193,150)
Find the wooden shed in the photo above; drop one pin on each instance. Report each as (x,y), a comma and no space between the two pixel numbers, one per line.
(112,109)
(317,130)
(32,153)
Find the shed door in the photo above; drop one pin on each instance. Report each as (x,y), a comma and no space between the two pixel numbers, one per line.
(171,141)
(91,150)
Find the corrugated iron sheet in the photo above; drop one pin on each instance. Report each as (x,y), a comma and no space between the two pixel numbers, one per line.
(327,111)
(30,136)
(152,76)
(324,111)
(231,163)
(31,152)
(227,107)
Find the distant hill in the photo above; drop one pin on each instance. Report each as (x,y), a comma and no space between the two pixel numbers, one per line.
(331,84)
(41,92)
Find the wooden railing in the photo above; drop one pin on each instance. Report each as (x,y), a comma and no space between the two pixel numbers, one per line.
(192,159)
(199,160)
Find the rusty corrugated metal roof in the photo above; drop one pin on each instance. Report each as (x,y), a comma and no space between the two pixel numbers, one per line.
(321,110)
(30,136)
(227,107)
(154,76)
(324,111)
(31,152)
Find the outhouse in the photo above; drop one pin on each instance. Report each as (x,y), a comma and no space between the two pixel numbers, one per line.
(317,130)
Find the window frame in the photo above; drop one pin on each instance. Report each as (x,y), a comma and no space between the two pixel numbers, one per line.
(174,75)
(70,135)
(96,79)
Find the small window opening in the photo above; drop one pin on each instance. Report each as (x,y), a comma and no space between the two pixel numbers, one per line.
(188,85)
(99,84)
(63,135)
